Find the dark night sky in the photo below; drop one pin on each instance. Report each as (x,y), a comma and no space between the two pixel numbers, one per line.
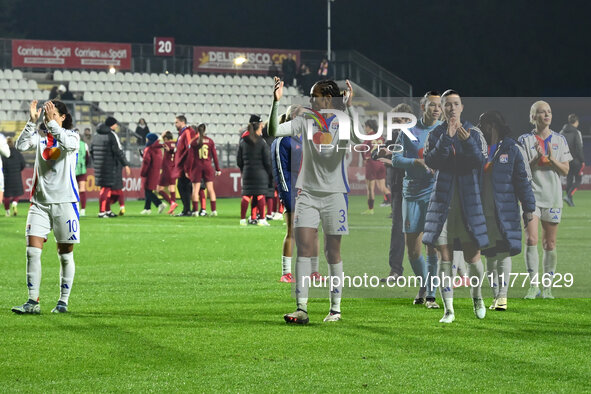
(480,48)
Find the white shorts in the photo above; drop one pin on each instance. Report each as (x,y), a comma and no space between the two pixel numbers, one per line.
(330,208)
(1,180)
(62,218)
(551,215)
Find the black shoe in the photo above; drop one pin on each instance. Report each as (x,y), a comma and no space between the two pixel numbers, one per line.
(183,214)
(29,307)
(110,214)
(253,221)
(61,307)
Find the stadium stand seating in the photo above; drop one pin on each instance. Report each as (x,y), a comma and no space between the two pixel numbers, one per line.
(223,102)
(15,93)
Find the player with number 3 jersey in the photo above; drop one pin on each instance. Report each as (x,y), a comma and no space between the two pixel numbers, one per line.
(322,188)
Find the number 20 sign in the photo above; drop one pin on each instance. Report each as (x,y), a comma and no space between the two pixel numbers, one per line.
(164,46)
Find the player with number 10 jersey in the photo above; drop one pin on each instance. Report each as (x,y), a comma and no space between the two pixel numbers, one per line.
(54,198)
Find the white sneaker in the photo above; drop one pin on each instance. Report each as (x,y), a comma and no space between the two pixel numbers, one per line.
(493,306)
(431,304)
(214,213)
(146,212)
(8,212)
(263,222)
(83,212)
(501,304)
(162,207)
(203,212)
(243,222)
(532,293)
(547,293)
(277,216)
(448,317)
(332,317)
(14,206)
(479,308)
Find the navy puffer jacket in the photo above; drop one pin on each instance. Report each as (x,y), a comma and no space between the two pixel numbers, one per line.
(462,160)
(510,182)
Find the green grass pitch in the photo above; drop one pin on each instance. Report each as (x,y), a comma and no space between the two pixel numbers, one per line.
(193,304)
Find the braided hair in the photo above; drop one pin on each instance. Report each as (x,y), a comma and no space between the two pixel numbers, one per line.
(330,88)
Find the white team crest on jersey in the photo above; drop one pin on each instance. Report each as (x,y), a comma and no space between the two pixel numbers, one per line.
(504,158)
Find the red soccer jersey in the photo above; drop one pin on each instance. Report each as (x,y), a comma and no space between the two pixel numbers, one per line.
(183,161)
(168,157)
(204,152)
(373,145)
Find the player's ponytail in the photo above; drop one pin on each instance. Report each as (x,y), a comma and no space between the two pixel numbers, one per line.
(330,88)
(63,110)
(68,122)
(252,129)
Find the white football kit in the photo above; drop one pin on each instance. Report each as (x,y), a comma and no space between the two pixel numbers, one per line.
(546,183)
(54,196)
(322,182)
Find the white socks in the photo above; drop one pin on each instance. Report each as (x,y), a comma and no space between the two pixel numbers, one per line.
(499,267)
(549,259)
(504,272)
(532,262)
(285,265)
(491,271)
(302,270)
(67,271)
(476,269)
(459,265)
(336,292)
(314,262)
(33,272)
(446,287)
